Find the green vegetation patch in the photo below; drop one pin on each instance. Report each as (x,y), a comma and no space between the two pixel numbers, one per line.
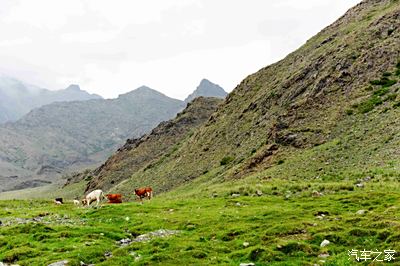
(226,160)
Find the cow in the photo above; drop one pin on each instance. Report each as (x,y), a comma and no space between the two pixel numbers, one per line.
(95,195)
(144,192)
(114,198)
(59,200)
(76,202)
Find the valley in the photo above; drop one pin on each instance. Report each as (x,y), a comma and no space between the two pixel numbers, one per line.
(298,165)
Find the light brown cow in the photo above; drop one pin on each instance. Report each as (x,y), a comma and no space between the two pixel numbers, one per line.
(114,198)
(144,192)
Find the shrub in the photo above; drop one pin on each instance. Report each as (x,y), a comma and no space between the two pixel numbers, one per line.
(381,91)
(389,82)
(369,104)
(384,81)
(226,160)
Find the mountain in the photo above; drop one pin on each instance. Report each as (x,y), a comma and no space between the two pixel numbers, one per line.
(329,110)
(71,135)
(161,142)
(18,98)
(207,89)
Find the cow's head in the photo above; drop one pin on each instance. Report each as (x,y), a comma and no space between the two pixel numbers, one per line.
(84,201)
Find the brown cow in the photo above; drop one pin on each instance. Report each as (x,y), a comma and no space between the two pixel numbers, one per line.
(114,198)
(144,192)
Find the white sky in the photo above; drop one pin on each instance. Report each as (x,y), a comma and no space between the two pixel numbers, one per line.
(110,47)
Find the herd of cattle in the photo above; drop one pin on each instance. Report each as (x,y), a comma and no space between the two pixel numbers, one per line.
(97,195)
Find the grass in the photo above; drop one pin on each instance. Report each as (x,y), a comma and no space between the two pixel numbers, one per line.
(281,227)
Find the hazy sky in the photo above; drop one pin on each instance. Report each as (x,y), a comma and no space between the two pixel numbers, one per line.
(110,47)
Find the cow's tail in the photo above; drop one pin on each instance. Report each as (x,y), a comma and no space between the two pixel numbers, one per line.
(151,194)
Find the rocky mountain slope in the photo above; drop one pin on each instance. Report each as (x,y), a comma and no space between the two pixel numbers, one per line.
(65,135)
(159,143)
(207,89)
(329,110)
(18,98)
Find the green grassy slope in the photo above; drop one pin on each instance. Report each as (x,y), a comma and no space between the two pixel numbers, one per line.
(283,226)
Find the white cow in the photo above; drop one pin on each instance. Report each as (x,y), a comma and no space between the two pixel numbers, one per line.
(76,202)
(95,195)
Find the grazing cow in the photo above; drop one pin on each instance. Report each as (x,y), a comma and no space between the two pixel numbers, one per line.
(114,198)
(144,192)
(59,200)
(95,195)
(76,202)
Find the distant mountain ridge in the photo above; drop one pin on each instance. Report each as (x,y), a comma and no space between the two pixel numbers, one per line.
(207,89)
(73,135)
(18,98)
(68,135)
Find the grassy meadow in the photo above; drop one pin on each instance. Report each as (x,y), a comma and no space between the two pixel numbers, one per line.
(264,220)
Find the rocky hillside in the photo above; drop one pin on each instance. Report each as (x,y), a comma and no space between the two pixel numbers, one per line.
(18,98)
(68,135)
(329,110)
(207,89)
(159,143)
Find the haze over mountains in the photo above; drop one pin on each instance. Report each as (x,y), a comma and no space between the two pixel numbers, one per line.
(18,98)
(72,135)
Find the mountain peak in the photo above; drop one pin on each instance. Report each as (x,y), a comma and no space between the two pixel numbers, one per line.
(207,89)
(140,91)
(205,82)
(143,93)
(144,88)
(73,87)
